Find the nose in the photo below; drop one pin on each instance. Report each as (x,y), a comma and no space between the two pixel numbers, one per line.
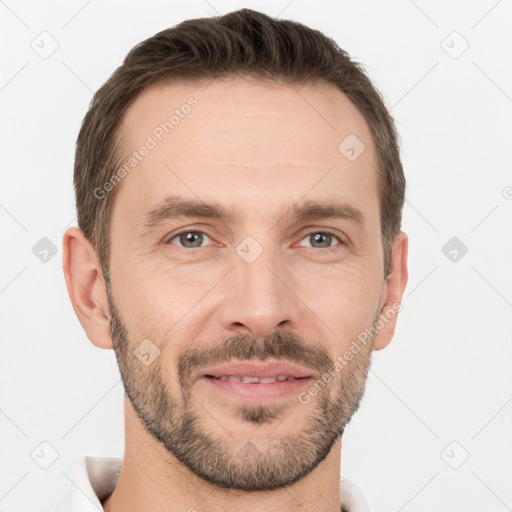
(258,296)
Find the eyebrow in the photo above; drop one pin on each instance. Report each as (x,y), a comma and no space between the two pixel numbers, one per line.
(177,207)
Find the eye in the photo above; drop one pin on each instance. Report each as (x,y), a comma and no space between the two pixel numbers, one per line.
(189,239)
(321,240)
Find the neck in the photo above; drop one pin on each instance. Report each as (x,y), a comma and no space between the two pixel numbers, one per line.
(152,479)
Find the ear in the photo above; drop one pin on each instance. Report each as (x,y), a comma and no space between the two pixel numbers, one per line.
(392,292)
(86,286)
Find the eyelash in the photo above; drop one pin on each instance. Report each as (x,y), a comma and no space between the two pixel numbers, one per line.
(316,231)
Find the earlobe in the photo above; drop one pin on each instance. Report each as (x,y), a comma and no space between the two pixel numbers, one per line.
(86,286)
(393,291)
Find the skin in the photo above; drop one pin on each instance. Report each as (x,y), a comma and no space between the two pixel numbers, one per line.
(260,149)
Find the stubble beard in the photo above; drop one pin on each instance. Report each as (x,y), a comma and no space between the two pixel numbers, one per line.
(200,442)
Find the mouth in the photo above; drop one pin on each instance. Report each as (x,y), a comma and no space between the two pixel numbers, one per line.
(254,382)
(248,379)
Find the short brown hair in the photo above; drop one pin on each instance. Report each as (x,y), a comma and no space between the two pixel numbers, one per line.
(246,43)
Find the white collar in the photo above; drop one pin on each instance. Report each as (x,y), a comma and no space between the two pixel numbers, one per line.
(94,479)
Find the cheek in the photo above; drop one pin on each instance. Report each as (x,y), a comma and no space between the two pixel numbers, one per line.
(166,303)
(345,302)
(151,287)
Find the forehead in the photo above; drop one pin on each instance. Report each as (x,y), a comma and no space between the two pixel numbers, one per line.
(238,140)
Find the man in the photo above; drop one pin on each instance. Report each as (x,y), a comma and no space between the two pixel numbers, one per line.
(239,194)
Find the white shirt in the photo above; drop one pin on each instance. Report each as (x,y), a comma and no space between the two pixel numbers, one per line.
(94,479)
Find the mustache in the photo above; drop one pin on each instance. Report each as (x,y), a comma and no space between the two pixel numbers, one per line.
(280,345)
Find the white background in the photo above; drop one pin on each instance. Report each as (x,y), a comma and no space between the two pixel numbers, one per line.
(447,374)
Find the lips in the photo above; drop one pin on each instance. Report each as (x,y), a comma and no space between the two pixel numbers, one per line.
(250,372)
(252,382)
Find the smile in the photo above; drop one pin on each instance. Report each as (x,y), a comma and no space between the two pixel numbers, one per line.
(255,380)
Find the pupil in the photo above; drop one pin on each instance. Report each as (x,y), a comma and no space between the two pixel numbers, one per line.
(192,238)
(322,239)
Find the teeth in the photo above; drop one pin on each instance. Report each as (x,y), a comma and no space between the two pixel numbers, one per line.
(255,380)
(250,380)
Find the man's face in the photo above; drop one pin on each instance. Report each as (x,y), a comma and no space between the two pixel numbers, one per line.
(276,288)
